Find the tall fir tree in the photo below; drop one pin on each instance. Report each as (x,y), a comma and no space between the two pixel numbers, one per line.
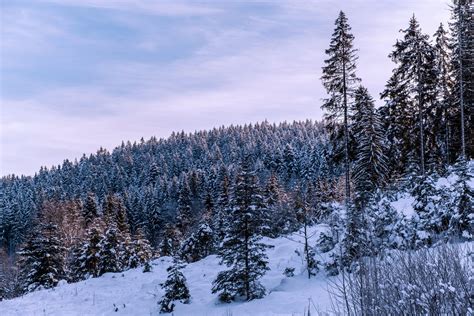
(462,46)
(416,75)
(444,107)
(339,78)
(242,251)
(370,167)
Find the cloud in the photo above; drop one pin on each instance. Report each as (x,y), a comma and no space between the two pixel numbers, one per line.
(163,8)
(204,64)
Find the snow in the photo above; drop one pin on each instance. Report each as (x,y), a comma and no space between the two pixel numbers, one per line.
(404,204)
(136,293)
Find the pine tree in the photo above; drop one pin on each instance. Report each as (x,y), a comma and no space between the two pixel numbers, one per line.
(462,46)
(339,79)
(184,216)
(222,206)
(242,250)
(42,262)
(175,288)
(142,252)
(426,206)
(87,259)
(461,207)
(110,252)
(168,244)
(90,209)
(416,74)
(199,245)
(444,100)
(370,167)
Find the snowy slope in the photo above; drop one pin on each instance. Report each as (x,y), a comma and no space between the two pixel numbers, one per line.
(136,293)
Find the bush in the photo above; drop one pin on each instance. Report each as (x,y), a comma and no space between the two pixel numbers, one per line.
(435,281)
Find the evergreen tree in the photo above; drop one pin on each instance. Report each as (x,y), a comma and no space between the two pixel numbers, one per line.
(142,252)
(168,244)
(462,46)
(87,259)
(184,216)
(242,250)
(425,205)
(219,220)
(444,107)
(339,79)
(110,252)
(199,245)
(415,73)
(175,288)
(42,262)
(370,167)
(90,209)
(461,225)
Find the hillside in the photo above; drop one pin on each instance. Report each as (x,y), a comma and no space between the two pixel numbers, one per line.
(136,293)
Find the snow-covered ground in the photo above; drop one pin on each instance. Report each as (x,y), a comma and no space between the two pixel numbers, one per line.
(136,293)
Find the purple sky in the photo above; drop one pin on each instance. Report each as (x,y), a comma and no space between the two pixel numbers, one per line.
(80,74)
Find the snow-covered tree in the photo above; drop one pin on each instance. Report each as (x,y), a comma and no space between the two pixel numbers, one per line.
(339,78)
(87,259)
(199,245)
(242,251)
(142,251)
(110,252)
(415,79)
(42,259)
(175,288)
(370,167)
(90,209)
(461,225)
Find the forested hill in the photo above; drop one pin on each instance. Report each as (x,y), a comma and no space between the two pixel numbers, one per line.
(155,178)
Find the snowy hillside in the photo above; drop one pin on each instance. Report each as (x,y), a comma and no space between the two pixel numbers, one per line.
(136,293)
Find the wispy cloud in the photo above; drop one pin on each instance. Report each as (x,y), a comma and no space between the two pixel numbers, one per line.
(114,70)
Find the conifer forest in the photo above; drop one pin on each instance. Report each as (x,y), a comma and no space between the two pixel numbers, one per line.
(365,211)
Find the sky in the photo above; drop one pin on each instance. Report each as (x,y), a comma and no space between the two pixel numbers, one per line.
(77,75)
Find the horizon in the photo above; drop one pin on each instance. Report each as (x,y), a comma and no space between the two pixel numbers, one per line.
(80,75)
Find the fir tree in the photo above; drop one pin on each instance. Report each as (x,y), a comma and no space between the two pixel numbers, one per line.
(175,288)
(462,46)
(461,225)
(444,107)
(168,244)
(87,259)
(110,252)
(199,245)
(42,262)
(184,215)
(142,252)
(339,79)
(242,250)
(416,74)
(370,167)
(90,209)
